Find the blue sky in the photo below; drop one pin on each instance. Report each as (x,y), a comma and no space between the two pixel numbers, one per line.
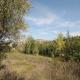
(47,18)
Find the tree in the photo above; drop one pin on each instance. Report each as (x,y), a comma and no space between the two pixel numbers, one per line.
(68,44)
(29,46)
(11,16)
(75,48)
(11,20)
(59,44)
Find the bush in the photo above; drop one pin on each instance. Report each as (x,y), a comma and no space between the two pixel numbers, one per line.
(29,46)
(66,48)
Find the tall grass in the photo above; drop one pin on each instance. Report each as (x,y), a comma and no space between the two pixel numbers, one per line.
(28,67)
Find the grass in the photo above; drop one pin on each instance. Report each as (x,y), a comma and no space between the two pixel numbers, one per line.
(28,67)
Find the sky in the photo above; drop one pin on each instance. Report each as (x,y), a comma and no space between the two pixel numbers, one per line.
(47,18)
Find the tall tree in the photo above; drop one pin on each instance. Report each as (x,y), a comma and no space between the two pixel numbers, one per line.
(60,44)
(11,16)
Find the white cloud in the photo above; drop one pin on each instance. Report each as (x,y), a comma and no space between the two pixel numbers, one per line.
(75,34)
(53,20)
(42,21)
(65,23)
(56,32)
(46,16)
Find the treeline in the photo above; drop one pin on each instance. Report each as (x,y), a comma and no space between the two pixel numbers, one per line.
(66,48)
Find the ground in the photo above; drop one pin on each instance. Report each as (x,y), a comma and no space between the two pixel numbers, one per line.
(39,68)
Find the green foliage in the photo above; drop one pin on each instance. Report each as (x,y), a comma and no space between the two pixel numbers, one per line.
(30,45)
(12,13)
(72,48)
(46,49)
(37,48)
(66,48)
(59,45)
(11,21)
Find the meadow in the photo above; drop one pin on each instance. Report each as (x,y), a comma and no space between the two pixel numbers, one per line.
(18,66)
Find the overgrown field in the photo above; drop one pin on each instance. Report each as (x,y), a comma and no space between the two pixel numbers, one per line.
(18,66)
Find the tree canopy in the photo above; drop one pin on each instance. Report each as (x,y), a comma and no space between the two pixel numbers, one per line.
(11,16)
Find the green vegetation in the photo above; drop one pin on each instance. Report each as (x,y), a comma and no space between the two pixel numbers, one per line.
(66,48)
(11,21)
(11,15)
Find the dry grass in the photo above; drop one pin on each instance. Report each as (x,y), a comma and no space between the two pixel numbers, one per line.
(27,67)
